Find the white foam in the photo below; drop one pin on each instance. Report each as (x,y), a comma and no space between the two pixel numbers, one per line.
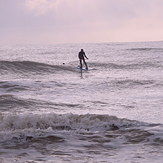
(14,125)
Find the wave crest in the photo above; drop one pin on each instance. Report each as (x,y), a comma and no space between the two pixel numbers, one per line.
(30,67)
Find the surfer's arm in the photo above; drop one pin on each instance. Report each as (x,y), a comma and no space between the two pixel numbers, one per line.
(85,56)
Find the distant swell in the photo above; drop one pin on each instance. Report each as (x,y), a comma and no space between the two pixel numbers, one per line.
(147,49)
(10,102)
(141,65)
(134,83)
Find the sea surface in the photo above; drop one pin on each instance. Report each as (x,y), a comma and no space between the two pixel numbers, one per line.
(52,112)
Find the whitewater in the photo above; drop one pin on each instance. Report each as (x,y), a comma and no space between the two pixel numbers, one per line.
(53,112)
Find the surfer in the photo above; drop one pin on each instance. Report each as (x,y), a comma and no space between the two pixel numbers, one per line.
(82,57)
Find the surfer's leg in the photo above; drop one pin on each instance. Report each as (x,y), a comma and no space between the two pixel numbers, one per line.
(85,64)
(80,63)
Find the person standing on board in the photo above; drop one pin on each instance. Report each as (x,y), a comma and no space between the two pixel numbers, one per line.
(82,57)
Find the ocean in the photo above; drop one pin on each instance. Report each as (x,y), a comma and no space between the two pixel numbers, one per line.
(52,112)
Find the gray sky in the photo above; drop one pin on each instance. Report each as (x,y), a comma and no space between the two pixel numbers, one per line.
(80,21)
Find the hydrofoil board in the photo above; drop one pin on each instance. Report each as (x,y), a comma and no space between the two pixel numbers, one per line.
(82,69)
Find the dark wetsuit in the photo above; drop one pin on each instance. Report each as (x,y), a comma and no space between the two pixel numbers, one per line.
(82,56)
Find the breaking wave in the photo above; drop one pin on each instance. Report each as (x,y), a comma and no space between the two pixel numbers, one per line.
(25,127)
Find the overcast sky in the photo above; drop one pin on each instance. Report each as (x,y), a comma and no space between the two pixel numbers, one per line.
(80,21)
